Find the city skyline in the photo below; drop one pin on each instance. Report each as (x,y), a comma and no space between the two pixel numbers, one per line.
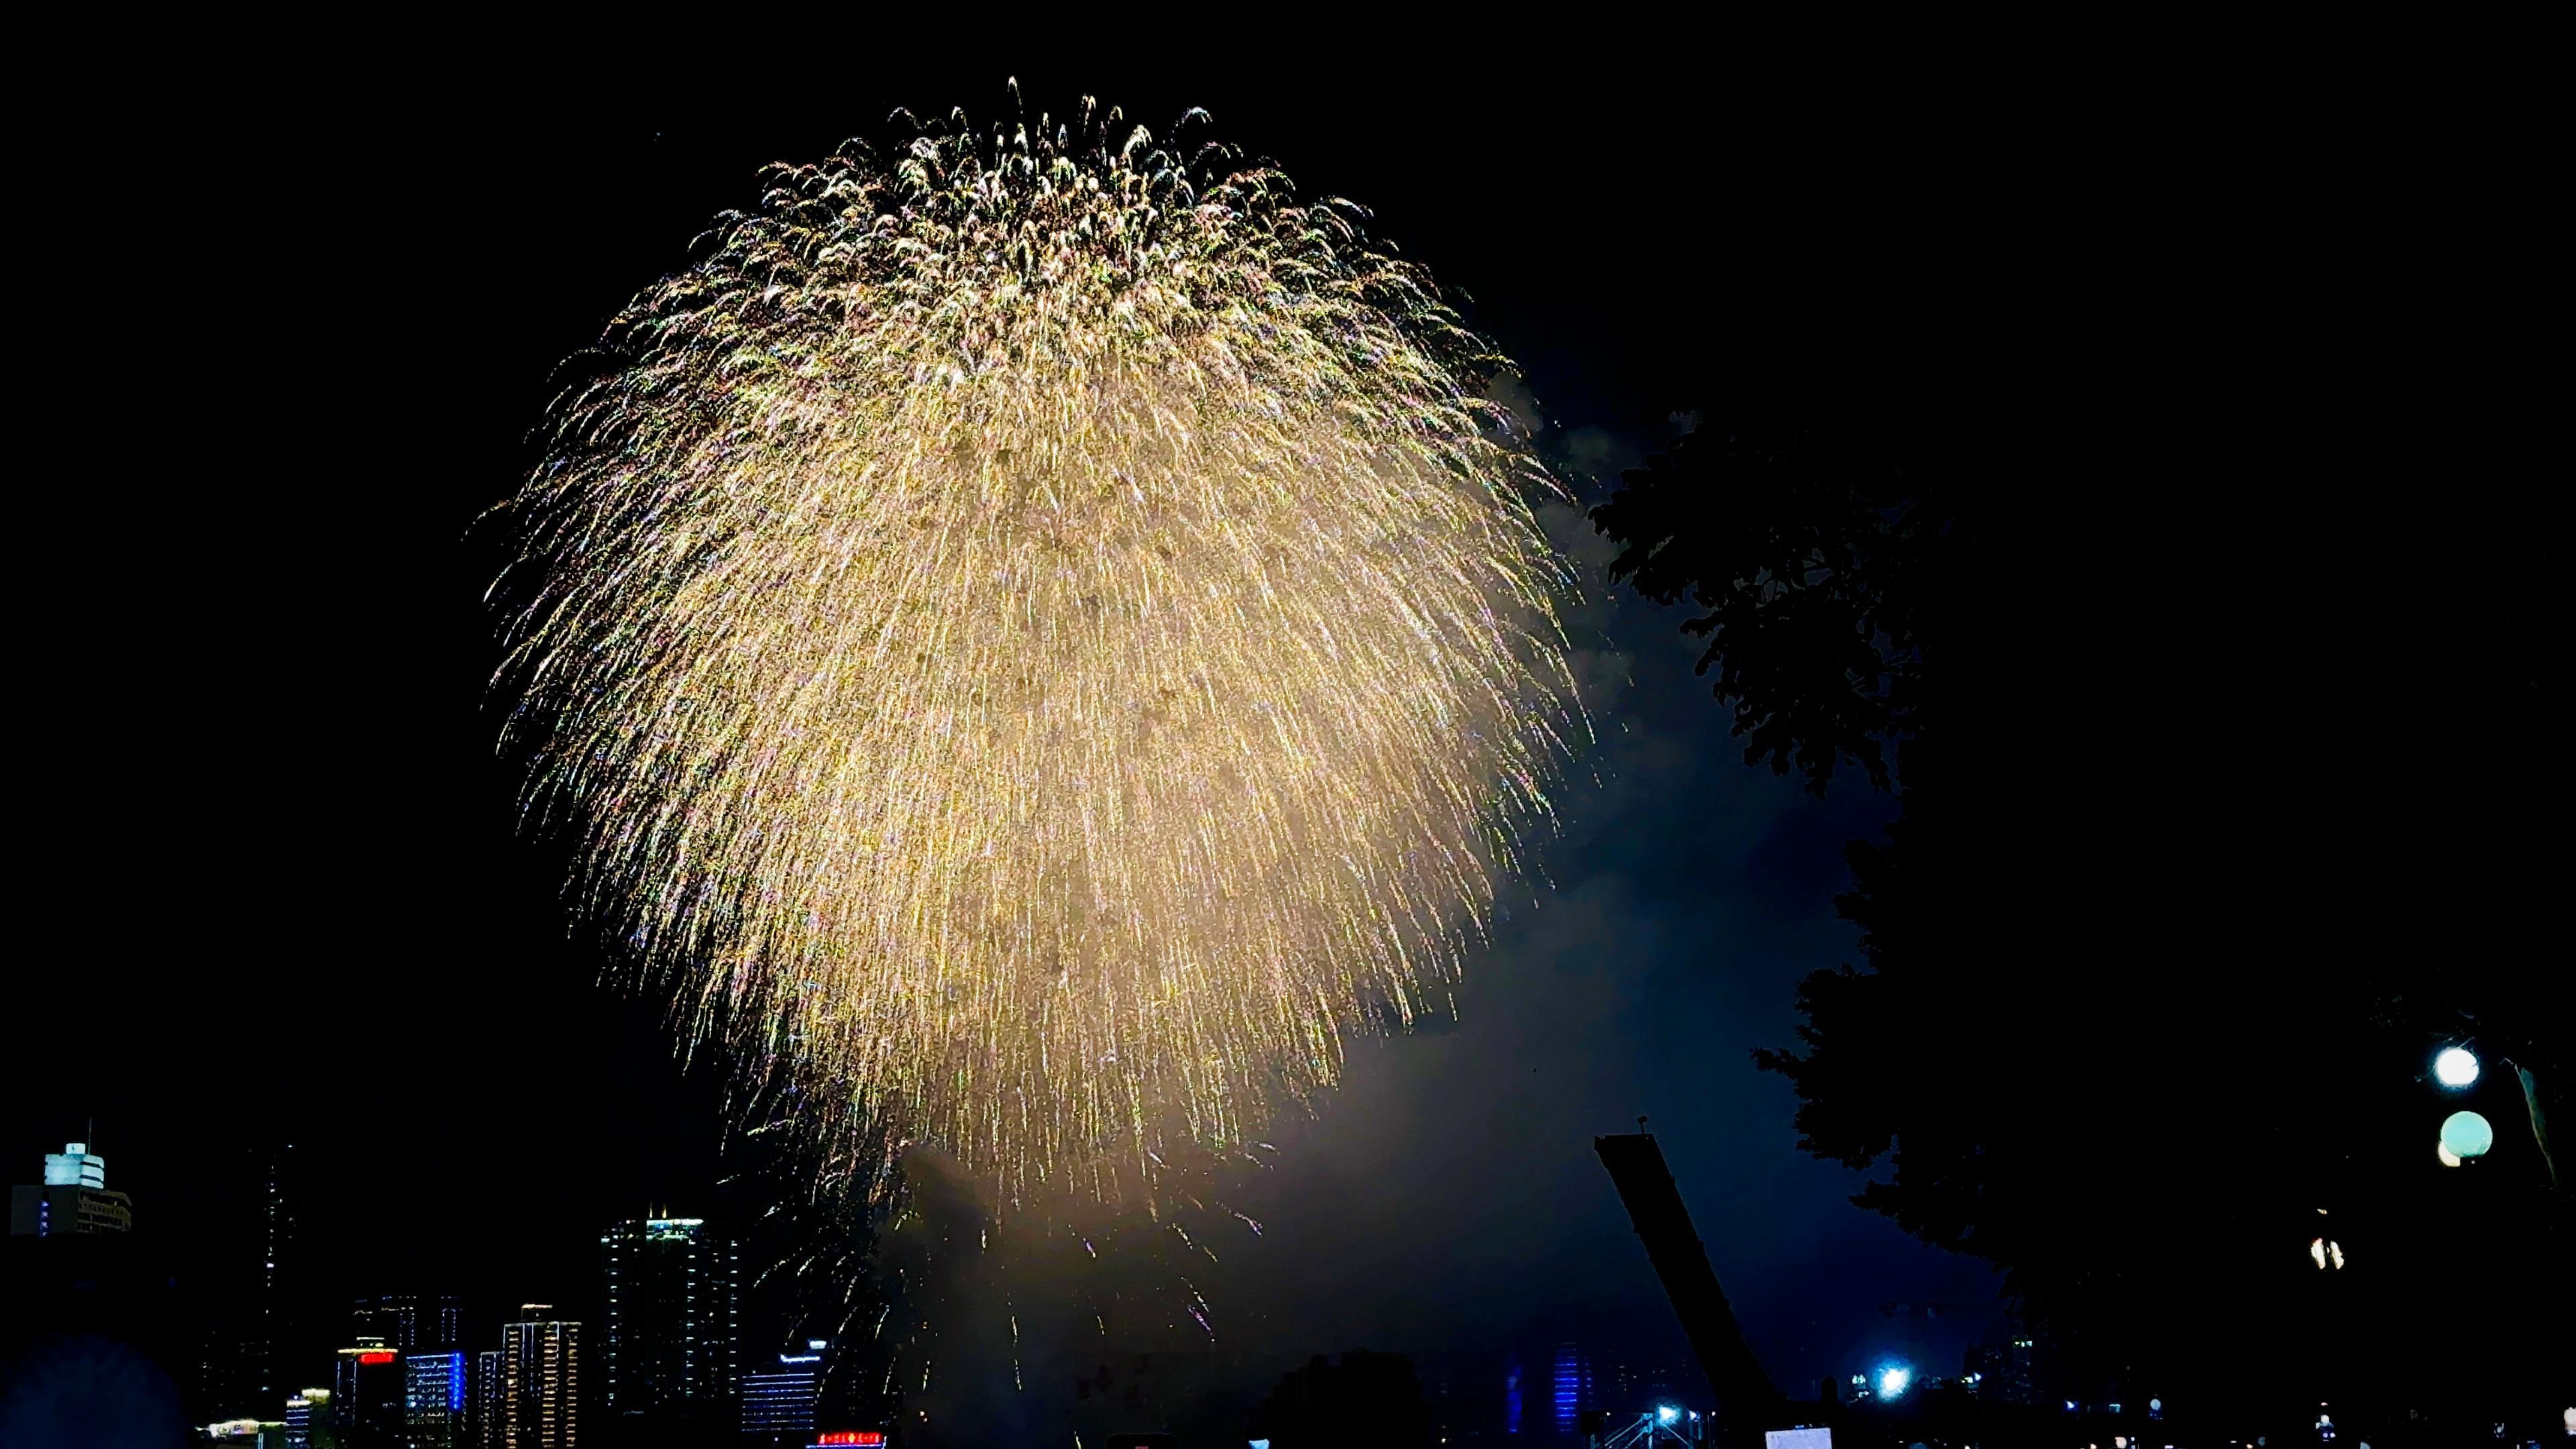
(591,667)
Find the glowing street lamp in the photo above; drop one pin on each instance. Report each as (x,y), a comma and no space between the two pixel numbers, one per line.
(2467,1135)
(2455,1068)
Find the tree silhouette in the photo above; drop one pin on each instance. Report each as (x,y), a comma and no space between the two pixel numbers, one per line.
(1371,1399)
(2133,1005)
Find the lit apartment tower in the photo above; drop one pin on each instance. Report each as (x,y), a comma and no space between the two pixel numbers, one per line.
(778,1406)
(434,1400)
(670,1293)
(488,1412)
(72,1199)
(540,1380)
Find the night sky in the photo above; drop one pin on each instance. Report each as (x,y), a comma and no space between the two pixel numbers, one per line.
(297,326)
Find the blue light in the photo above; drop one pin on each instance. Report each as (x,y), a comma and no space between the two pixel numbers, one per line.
(1573,1383)
(1893,1380)
(1668,1413)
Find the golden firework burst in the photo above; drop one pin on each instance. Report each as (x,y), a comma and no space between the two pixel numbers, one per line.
(1040,637)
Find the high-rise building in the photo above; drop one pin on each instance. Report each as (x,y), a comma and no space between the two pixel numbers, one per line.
(778,1404)
(75,1166)
(308,1420)
(668,1354)
(407,1321)
(2000,1368)
(540,1380)
(273,1324)
(367,1396)
(1572,1391)
(393,1317)
(248,1223)
(73,1198)
(434,1414)
(484,1389)
(1635,1385)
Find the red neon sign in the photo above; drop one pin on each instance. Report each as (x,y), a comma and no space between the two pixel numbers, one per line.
(377,1355)
(863,1438)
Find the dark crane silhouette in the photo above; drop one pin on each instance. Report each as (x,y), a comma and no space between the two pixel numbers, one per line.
(1747,1401)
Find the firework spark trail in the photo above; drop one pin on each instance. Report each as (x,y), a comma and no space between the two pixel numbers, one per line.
(1041,636)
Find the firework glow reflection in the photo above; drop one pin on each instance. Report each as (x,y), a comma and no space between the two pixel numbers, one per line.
(1040,636)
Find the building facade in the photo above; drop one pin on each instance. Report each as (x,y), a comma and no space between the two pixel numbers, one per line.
(670,1294)
(271,1321)
(367,1396)
(1570,1390)
(488,1414)
(409,1322)
(73,1198)
(248,1222)
(778,1404)
(540,1381)
(434,1407)
(308,1420)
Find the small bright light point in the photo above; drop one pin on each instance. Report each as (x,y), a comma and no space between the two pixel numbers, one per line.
(2455,1067)
(1892,1380)
(2467,1134)
(2443,1151)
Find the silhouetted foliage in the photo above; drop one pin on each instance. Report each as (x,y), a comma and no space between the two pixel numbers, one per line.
(1369,1399)
(1807,559)
(2157,951)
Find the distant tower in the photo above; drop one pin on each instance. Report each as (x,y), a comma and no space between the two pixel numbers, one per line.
(273,1326)
(490,1412)
(73,1198)
(393,1317)
(778,1404)
(408,1321)
(1573,1387)
(540,1381)
(249,1225)
(367,1396)
(668,1348)
(303,1407)
(434,1409)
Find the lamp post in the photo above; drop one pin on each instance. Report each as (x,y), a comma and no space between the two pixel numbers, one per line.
(2457,1068)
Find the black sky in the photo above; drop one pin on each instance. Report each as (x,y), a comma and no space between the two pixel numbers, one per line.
(297,314)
